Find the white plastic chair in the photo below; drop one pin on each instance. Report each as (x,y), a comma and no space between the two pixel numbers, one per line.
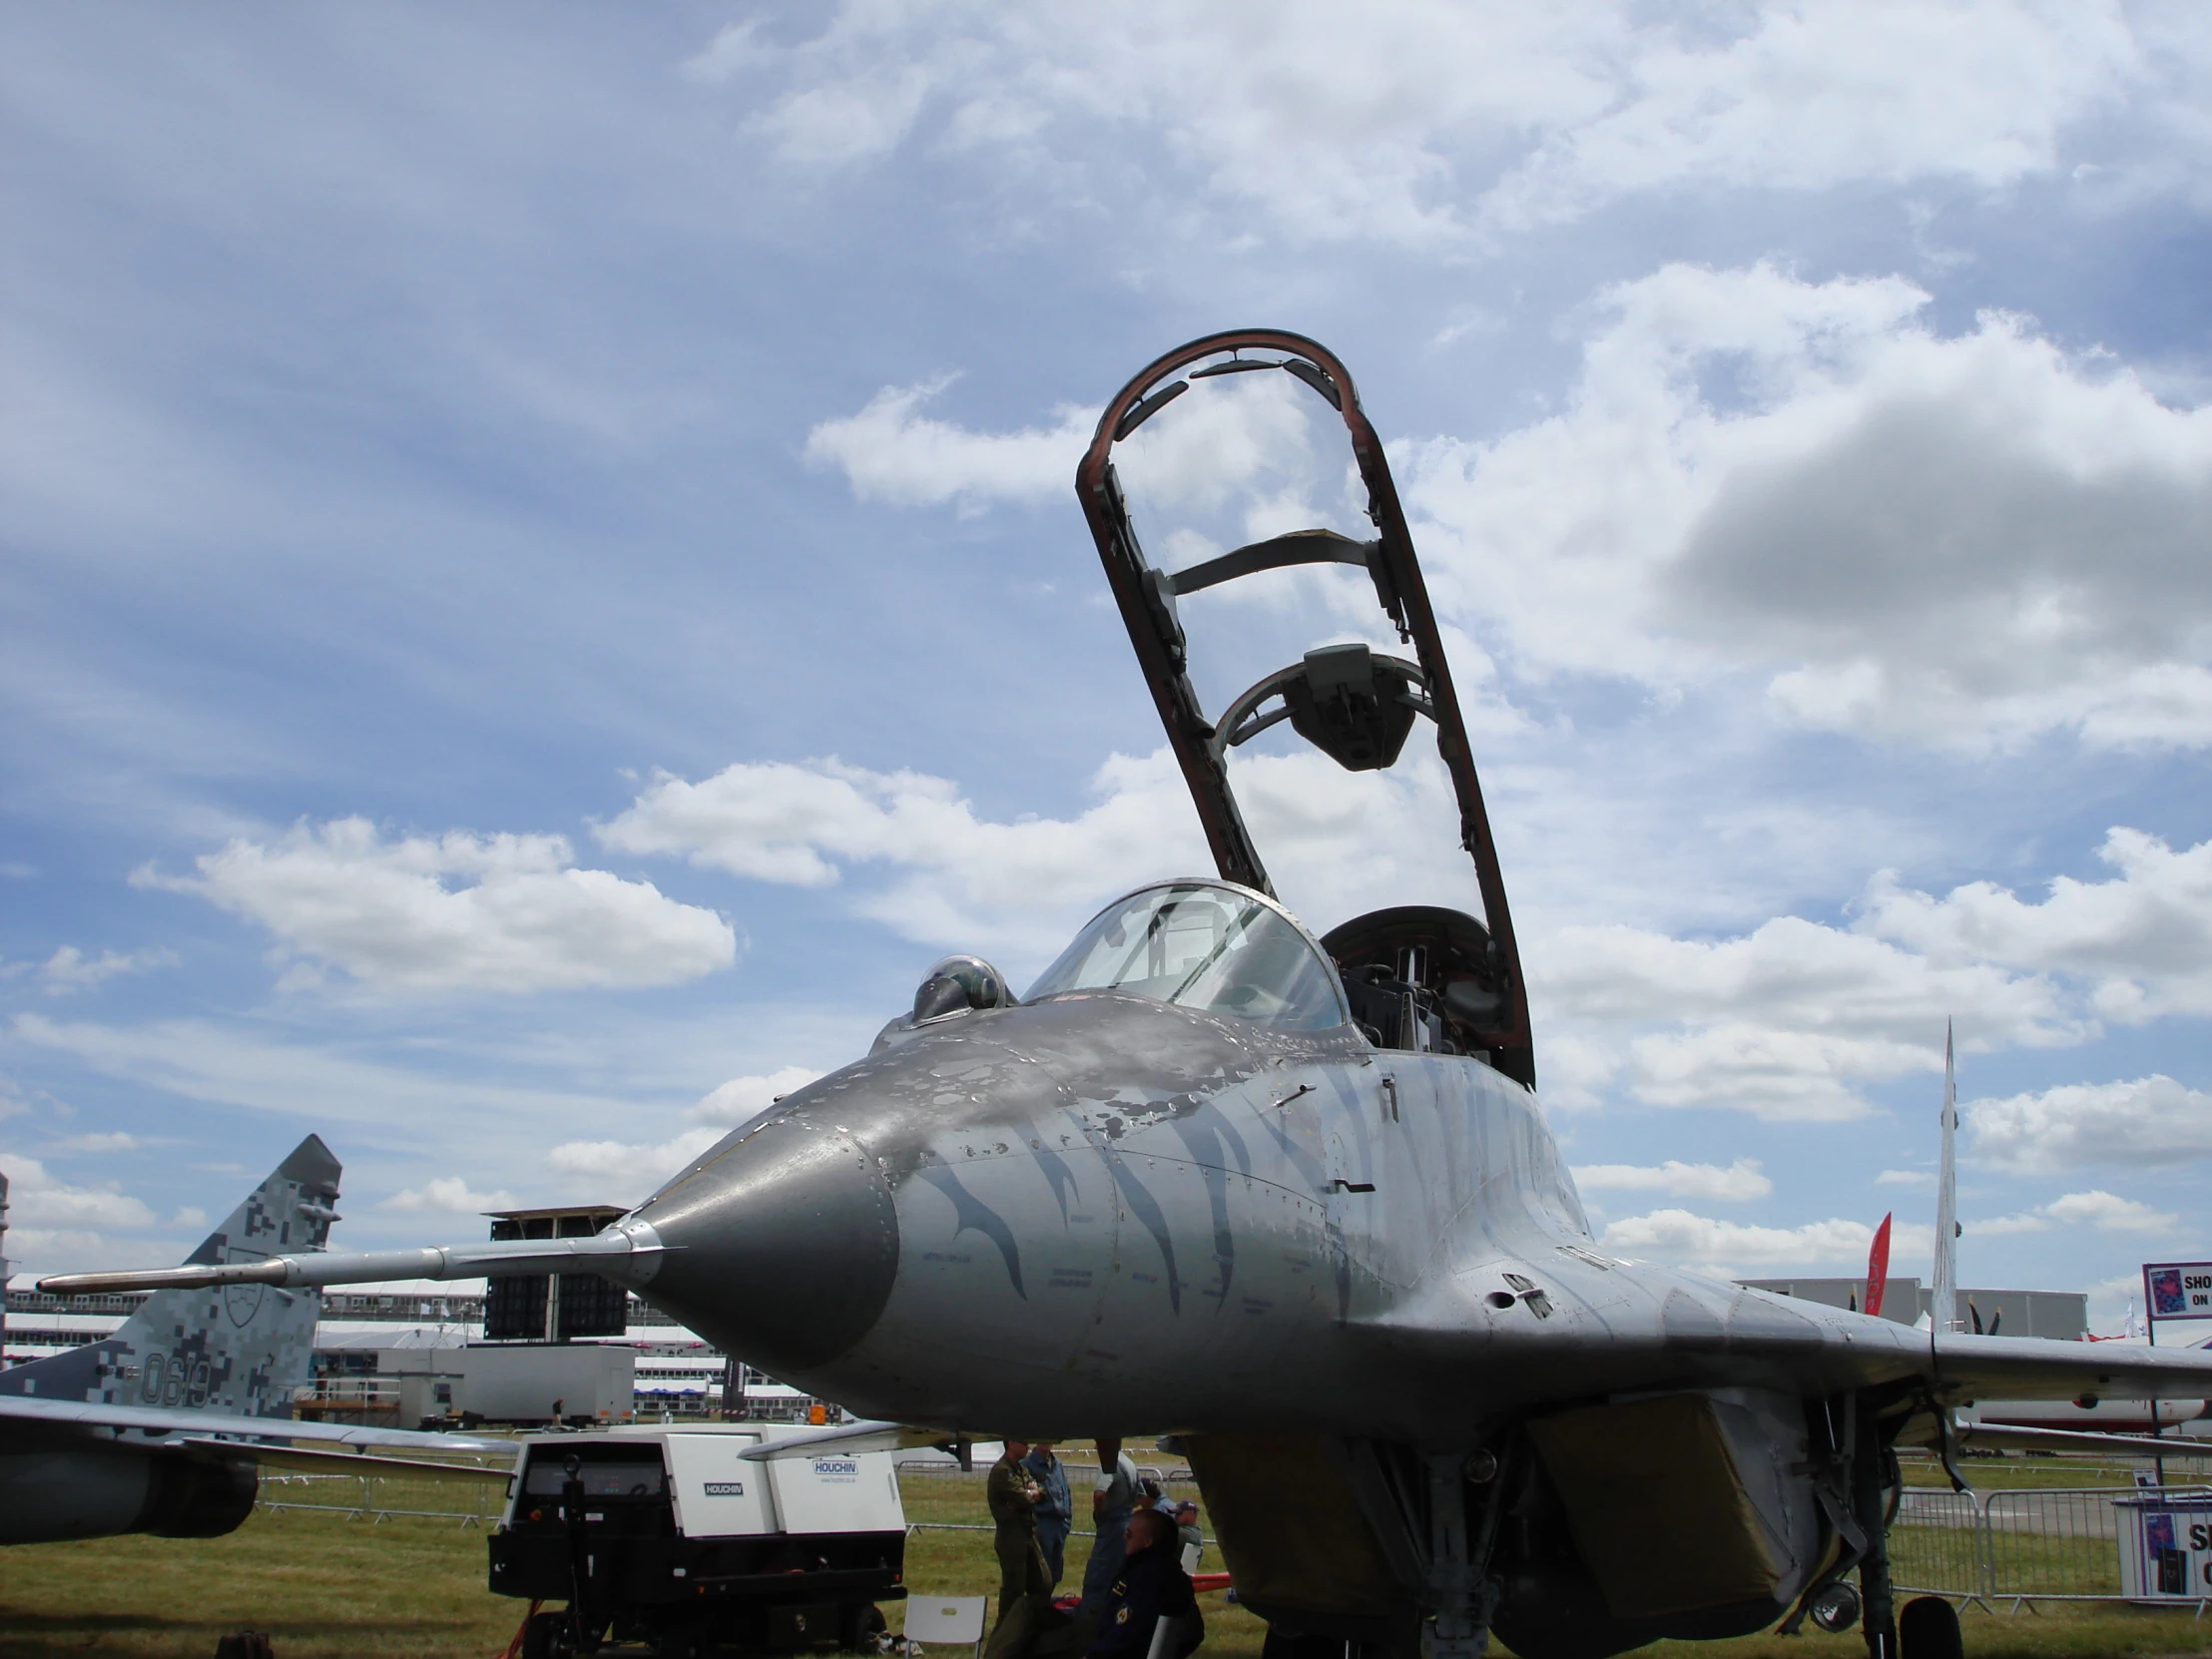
(951,1620)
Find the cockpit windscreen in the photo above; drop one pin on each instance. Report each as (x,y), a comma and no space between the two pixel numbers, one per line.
(1201,947)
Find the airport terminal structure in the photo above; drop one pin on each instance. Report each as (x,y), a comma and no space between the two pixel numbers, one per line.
(394,1359)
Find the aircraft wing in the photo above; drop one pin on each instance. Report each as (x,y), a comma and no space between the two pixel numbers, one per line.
(316,1461)
(852,1438)
(1998,1437)
(18,1410)
(1743,1338)
(2034,1367)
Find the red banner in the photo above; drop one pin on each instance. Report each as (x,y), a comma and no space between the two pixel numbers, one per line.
(1878,1266)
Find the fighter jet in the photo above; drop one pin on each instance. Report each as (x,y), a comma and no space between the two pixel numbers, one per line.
(160,1427)
(1292,1200)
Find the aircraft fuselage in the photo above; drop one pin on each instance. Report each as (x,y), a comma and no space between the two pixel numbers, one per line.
(1102,1210)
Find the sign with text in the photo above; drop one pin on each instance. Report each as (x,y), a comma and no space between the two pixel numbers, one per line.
(2177,1290)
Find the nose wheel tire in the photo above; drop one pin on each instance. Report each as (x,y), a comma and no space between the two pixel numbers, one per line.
(1835,1609)
(1928,1628)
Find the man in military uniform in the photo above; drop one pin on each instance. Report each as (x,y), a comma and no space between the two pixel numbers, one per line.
(1013,1495)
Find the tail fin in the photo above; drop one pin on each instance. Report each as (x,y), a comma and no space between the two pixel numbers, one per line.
(239,1350)
(1943,1298)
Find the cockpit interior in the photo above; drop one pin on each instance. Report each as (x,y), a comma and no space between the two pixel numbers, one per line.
(1416,977)
(1421,977)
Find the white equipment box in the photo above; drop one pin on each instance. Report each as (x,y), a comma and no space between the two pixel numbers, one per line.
(668,1534)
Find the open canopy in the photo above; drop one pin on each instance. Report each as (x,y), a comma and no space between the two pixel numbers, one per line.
(1205,945)
(1353,703)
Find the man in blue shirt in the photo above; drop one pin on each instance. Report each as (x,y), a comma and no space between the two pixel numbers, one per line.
(1052,1511)
(1115,1496)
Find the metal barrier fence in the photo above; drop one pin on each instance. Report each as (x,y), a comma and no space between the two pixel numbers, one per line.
(2022,1544)
(381,1498)
(1936,1542)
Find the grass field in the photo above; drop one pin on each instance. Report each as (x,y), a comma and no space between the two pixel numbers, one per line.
(328,1587)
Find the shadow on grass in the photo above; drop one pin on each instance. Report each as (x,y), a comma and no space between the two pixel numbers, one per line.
(17,1624)
(49,1635)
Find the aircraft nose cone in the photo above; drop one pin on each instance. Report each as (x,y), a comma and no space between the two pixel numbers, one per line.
(780,1246)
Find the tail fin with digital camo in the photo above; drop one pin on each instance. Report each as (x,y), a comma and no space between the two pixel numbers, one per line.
(235,1349)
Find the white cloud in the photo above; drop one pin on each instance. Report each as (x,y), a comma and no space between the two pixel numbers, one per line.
(38,1200)
(456,912)
(954,875)
(1248,435)
(2118,1304)
(2003,1226)
(1684,1237)
(1905,1178)
(923,862)
(1417,120)
(624,1172)
(1575,1070)
(892,452)
(70,970)
(450,1195)
(1786,1022)
(202,1060)
(59,1250)
(1739,1183)
(2148,1123)
(743,1098)
(113,1140)
(2097,1207)
(189,1215)
(2145,936)
(628,1171)
(2109,1211)
(1808,96)
(1959,541)
(1790,1021)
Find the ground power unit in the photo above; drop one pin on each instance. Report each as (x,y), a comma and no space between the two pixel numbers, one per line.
(669,1538)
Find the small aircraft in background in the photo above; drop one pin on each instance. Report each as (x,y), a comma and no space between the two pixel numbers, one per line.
(1292,1200)
(160,1428)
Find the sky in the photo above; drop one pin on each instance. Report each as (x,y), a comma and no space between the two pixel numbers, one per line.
(542,585)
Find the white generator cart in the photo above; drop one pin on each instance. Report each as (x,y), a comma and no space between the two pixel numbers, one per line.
(666,1537)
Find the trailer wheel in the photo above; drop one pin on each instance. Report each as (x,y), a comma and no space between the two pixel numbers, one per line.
(863,1629)
(546,1636)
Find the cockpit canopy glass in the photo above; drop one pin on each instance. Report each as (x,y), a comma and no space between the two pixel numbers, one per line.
(1201,947)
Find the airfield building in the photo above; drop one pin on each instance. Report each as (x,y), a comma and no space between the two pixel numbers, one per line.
(2063,1315)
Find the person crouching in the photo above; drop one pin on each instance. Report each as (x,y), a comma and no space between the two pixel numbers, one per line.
(1151,1585)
